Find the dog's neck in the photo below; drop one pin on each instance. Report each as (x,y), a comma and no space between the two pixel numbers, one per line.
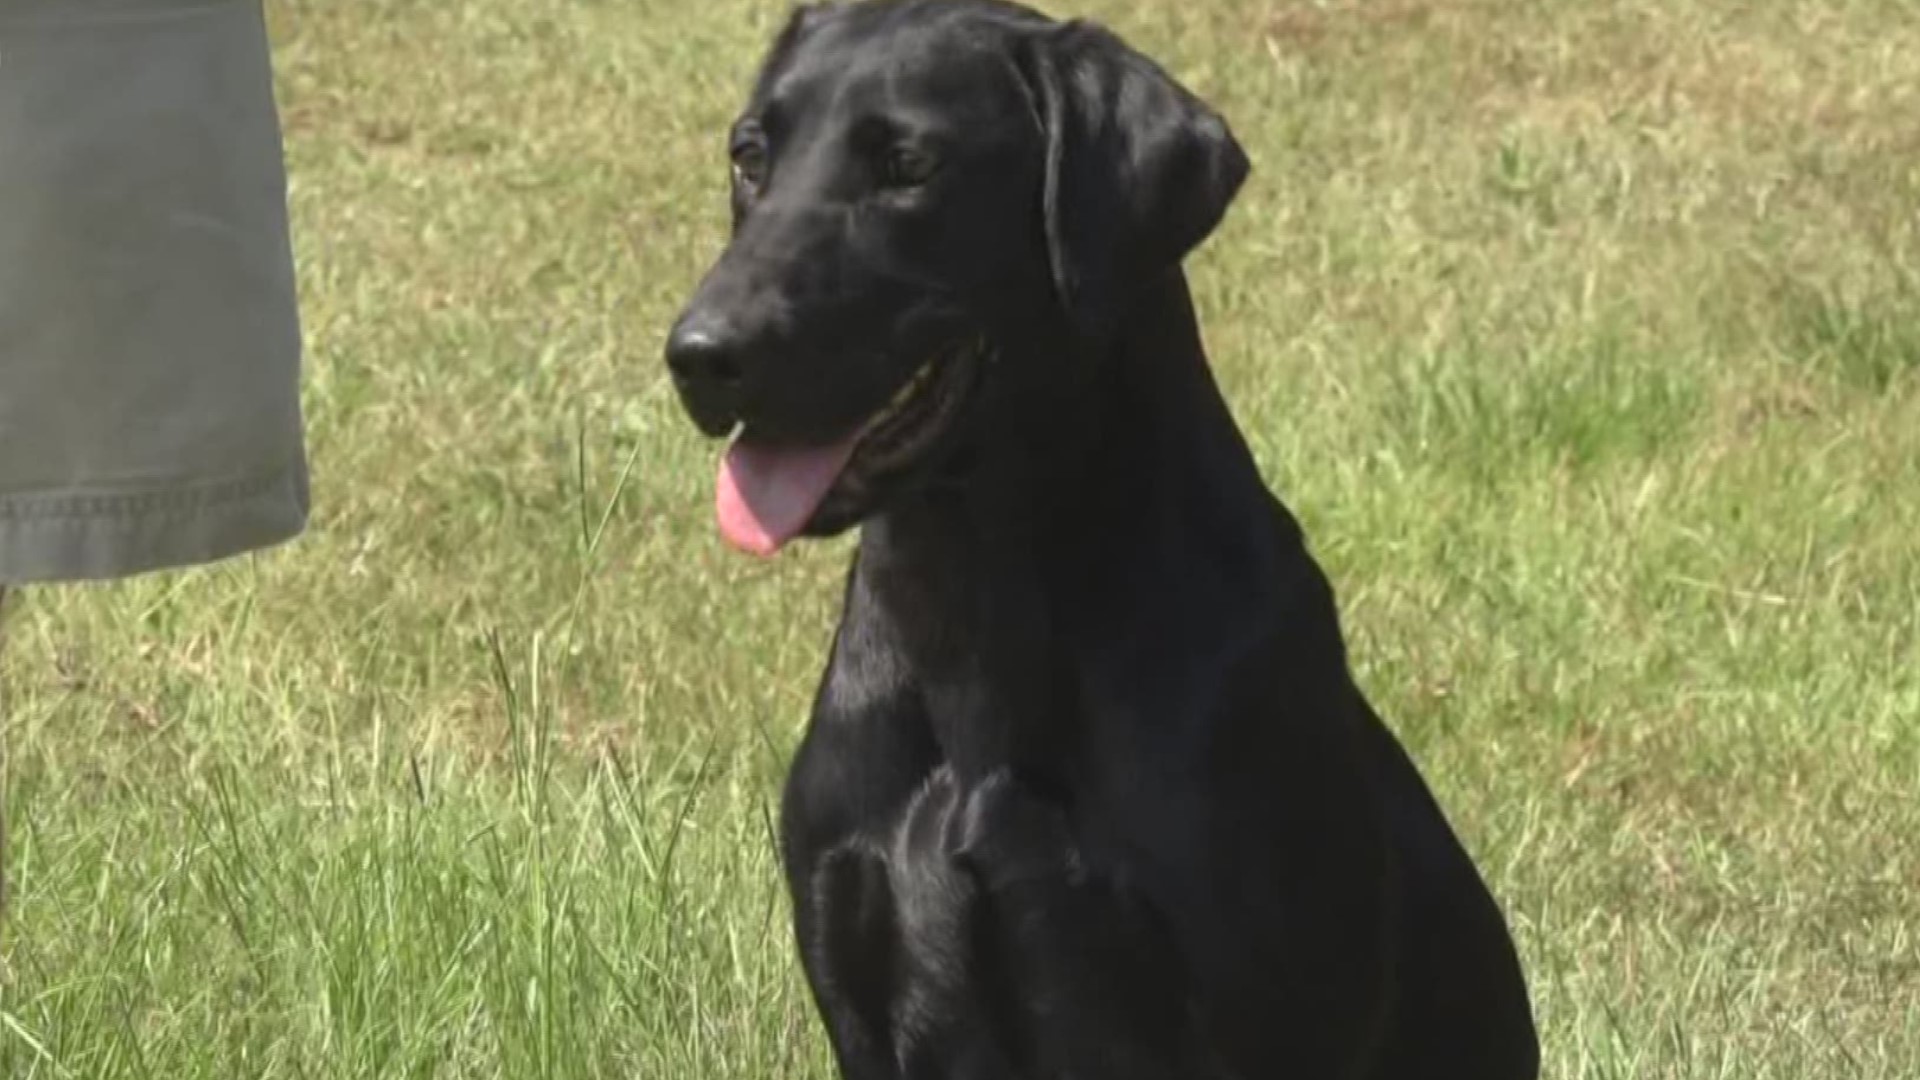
(1146,521)
(1146,452)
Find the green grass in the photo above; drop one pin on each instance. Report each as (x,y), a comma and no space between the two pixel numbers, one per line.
(1584,337)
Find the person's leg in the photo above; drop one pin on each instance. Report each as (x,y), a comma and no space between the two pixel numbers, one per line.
(150,341)
(4,775)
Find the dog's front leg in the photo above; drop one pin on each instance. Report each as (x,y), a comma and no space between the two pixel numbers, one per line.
(1078,971)
(867,752)
(894,956)
(848,786)
(850,949)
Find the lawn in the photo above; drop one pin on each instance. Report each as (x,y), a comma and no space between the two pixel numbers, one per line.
(1583,337)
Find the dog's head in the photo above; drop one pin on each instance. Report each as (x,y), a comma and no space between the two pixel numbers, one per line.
(925,192)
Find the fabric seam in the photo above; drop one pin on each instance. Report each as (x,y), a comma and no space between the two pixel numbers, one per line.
(15,509)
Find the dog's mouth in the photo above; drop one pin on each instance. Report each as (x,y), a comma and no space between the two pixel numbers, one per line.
(768,494)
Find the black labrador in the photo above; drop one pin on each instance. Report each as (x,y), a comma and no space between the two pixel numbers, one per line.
(1088,791)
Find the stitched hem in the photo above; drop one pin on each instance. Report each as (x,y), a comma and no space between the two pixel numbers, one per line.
(101,535)
(133,503)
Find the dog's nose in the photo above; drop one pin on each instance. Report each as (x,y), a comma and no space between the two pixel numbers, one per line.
(705,356)
(704,350)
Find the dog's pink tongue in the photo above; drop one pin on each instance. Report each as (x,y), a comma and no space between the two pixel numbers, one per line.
(765,495)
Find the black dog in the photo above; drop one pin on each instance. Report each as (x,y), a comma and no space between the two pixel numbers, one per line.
(1088,791)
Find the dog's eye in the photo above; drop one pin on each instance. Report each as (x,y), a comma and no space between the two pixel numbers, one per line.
(749,162)
(906,167)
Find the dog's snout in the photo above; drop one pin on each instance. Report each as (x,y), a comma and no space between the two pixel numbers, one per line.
(707,356)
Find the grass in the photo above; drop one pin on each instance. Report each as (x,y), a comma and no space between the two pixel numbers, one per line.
(1584,337)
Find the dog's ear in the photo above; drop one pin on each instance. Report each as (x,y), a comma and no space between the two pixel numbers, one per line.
(1138,170)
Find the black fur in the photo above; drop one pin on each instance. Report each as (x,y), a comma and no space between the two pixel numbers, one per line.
(1088,790)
